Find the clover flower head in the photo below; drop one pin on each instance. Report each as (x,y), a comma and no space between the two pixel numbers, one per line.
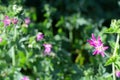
(99,48)
(6,21)
(14,20)
(40,36)
(25,78)
(27,21)
(47,49)
(117,74)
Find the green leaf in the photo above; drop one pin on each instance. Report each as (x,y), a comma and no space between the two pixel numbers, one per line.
(113,23)
(60,22)
(4,42)
(111,60)
(117,65)
(112,44)
(11,53)
(21,58)
(114,27)
(112,30)
(23,39)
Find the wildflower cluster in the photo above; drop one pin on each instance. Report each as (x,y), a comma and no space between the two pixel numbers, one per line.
(47,46)
(8,21)
(99,48)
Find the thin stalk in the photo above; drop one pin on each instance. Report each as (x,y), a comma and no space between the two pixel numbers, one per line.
(113,71)
(13,50)
(71,35)
(13,56)
(116,45)
(114,54)
(15,32)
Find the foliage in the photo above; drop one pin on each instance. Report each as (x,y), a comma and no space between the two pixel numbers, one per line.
(66,25)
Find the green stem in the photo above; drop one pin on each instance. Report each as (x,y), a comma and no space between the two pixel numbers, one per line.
(70,35)
(113,70)
(13,56)
(116,45)
(13,50)
(15,32)
(114,54)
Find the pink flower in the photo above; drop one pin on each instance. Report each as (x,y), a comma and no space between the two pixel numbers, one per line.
(100,49)
(0,39)
(47,49)
(98,45)
(14,20)
(25,78)
(27,21)
(117,73)
(6,21)
(95,42)
(40,36)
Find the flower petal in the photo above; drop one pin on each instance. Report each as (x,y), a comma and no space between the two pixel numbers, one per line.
(102,54)
(106,47)
(93,37)
(95,52)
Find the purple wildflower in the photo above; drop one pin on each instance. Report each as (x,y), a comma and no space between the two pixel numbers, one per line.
(25,78)
(6,21)
(47,49)
(40,36)
(27,21)
(95,42)
(14,20)
(117,73)
(100,49)
(98,45)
